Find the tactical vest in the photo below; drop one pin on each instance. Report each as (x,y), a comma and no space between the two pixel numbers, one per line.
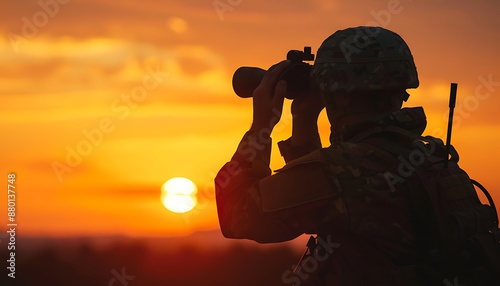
(457,233)
(457,236)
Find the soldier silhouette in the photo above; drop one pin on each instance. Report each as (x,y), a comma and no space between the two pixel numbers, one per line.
(360,195)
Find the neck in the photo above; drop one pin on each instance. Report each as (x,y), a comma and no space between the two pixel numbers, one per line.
(411,119)
(340,123)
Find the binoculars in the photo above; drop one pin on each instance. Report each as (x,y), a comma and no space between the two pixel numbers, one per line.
(246,79)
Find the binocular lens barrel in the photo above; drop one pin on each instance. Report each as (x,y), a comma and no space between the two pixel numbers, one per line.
(246,79)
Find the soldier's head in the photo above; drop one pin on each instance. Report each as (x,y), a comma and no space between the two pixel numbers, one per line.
(363,70)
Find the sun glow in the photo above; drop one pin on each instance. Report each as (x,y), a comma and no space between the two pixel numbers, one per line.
(179,195)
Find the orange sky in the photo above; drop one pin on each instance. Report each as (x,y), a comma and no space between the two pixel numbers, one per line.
(70,68)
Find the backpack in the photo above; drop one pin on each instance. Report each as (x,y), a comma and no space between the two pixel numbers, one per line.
(457,234)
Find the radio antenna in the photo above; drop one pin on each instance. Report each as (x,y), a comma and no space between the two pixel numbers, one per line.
(453,99)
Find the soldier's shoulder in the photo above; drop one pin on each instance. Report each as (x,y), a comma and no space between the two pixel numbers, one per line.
(315,157)
(347,153)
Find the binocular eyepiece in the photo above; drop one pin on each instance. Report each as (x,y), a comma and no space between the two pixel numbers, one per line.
(246,79)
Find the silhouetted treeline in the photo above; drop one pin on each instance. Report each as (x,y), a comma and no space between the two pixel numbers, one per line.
(135,262)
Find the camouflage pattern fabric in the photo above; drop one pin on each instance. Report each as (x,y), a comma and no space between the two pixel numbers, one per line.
(364,59)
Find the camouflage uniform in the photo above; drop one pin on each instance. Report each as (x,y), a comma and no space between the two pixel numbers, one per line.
(343,192)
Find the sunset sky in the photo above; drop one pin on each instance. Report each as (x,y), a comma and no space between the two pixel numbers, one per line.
(103,101)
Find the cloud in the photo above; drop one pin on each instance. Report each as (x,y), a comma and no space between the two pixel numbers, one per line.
(177,25)
(66,64)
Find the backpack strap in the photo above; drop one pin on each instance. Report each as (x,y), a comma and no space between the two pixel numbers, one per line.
(392,147)
(490,200)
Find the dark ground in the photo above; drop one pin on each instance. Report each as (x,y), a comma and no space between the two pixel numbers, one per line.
(146,262)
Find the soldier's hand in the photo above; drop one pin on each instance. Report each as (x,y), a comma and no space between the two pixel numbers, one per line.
(308,105)
(268,99)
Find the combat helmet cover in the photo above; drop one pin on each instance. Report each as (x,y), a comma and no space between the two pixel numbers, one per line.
(364,59)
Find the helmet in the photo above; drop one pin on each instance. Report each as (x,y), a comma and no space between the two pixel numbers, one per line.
(364,59)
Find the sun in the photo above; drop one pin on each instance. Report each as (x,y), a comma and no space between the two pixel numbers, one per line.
(178,195)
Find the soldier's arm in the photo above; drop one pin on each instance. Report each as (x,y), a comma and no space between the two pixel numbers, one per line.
(254,204)
(246,205)
(237,196)
(305,136)
(305,139)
